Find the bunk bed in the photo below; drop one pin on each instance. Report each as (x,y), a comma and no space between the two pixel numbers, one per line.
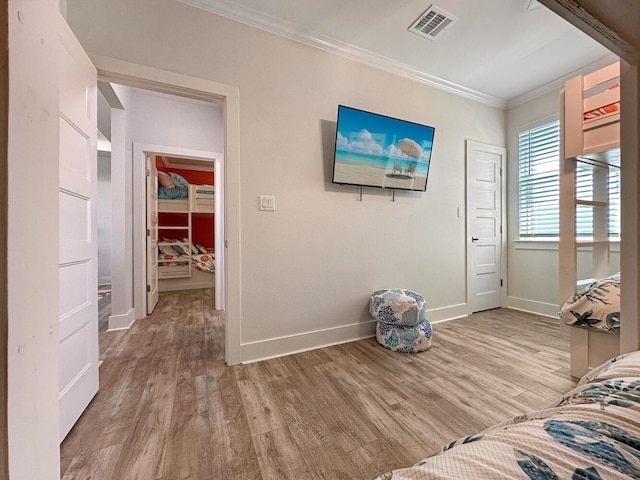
(192,198)
(590,143)
(174,257)
(182,263)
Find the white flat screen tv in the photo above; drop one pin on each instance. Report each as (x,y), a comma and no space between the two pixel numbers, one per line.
(374,150)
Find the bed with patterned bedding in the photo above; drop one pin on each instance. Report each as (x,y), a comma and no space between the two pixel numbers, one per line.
(205,262)
(591,433)
(596,307)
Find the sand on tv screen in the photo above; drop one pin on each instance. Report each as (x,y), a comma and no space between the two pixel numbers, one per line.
(378,151)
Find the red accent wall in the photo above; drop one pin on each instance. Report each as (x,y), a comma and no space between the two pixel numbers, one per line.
(201,224)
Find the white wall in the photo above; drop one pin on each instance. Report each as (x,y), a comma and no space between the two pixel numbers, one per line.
(121,213)
(104,116)
(533,267)
(104,218)
(161,119)
(309,267)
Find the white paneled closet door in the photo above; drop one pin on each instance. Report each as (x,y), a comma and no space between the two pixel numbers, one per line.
(484,225)
(78,311)
(152,233)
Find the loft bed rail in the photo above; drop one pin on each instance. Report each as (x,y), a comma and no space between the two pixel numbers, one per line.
(200,199)
(592,116)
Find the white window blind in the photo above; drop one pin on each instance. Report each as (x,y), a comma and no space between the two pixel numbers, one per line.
(539,152)
(539,205)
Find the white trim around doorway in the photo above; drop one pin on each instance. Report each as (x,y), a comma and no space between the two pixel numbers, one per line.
(139,215)
(149,78)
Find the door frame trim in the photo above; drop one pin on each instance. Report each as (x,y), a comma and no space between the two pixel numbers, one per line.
(503,220)
(149,78)
(140,150)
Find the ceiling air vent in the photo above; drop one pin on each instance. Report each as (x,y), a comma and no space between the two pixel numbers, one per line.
(432,23)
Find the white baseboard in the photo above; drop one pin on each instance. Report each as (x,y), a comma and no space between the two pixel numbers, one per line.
(184,286)
(533,306)
(290,344)
(121,322)
(452,312)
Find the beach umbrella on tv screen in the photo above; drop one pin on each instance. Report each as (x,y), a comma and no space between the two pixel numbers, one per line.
(410,148)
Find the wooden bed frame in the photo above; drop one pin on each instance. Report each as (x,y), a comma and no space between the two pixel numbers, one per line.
(594,144)
(201,199)
(198,279)
(197,202)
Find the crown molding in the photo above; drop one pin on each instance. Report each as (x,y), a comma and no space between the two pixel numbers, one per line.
(293,32)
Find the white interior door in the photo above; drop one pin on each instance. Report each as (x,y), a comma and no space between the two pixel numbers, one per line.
(78,254)
(484,225)
(152,233)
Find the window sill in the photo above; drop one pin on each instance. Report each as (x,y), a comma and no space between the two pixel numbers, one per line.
(551,243)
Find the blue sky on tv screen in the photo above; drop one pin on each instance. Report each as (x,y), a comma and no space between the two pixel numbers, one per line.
(366,133)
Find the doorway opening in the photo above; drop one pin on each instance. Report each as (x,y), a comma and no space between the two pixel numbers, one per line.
(184,221)
(166,116)
(228,261)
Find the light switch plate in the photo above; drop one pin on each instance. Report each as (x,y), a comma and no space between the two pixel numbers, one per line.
(267,202)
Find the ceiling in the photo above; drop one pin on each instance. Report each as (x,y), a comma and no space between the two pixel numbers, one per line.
(500,52)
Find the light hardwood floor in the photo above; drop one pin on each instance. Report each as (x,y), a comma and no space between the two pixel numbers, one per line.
(169,408)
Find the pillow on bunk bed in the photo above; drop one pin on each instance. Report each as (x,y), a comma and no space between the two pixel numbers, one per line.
(194,250)
(180,180)
(179,250)
(166,249)
(166,181)
(175,249)
(200,248)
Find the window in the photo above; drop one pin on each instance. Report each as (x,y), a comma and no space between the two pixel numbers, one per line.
(538,153)
(539,183)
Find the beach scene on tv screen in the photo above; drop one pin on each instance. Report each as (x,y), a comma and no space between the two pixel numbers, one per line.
(381,151)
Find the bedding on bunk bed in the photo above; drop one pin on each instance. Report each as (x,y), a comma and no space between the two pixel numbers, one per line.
(599,112)
(592,433)
(205,262)
(172,186)
(596,307)
(175,255)
(602,111)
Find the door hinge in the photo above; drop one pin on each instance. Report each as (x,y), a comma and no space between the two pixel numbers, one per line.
(501,284)
(149,232)
(500,171)
(148,172)
(225,244)
(500,228)
(148,288)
